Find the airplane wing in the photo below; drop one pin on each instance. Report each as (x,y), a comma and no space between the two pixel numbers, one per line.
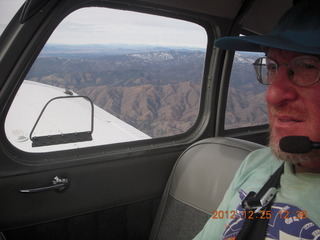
(31,99)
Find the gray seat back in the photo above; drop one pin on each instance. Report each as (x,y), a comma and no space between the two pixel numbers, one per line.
(197,185)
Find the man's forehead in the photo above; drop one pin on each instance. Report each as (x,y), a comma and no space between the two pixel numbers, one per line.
(284,55)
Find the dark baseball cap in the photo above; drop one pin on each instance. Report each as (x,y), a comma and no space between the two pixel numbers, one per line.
(298,30)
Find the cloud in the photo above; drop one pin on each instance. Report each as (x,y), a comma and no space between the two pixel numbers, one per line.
(102,26)
(98,25)
(7,10)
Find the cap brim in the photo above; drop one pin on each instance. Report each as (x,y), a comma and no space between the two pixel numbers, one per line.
(256,44)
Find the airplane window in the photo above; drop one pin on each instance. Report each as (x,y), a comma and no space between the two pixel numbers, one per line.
(142,72)
(246,104)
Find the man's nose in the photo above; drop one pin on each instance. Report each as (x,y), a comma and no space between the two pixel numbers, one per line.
(281,89)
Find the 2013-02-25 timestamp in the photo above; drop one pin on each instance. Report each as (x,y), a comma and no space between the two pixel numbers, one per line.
(250,214)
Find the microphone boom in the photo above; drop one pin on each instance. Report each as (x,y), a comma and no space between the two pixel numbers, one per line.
(297,144)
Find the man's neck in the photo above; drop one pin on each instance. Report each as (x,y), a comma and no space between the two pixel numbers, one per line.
(311,166)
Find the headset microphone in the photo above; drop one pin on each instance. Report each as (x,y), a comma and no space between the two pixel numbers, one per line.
(298,144)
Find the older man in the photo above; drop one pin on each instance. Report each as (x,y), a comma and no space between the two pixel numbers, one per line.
(289,207)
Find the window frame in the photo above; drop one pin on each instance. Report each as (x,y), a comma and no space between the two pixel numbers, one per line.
(258,133)
(118,150)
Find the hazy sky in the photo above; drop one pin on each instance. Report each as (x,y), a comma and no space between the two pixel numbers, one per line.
(7,10)
(103,26)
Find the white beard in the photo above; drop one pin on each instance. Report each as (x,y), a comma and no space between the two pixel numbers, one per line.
(294,158)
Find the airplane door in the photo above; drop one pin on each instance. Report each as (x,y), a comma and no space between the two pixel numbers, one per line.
(94,117)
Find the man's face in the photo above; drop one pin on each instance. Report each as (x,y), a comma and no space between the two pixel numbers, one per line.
(293,110)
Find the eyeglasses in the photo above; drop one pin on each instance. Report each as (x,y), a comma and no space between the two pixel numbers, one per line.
(303,70)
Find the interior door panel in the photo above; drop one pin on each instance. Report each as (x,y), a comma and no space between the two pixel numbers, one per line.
(92,187)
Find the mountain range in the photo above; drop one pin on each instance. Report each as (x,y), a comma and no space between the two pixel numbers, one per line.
(156,90)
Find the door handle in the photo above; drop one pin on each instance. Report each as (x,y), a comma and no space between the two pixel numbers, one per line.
(58,184)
